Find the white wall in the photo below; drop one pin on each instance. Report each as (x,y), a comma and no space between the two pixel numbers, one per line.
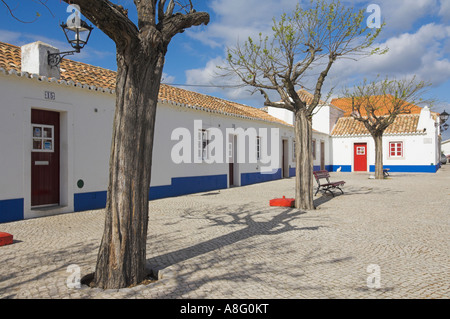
(171,117)
(325,117)
(282,114)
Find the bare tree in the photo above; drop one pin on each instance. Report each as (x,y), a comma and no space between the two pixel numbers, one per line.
(304,44)
(140,51)
(377,104)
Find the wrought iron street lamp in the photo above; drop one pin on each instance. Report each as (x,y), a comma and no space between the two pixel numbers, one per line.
(77,35)
(444,117)
(444,127)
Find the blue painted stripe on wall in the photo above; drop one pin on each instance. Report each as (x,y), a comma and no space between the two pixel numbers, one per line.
(344,168)
(189,185)
(409,168)
(89,201)
(329,168)
(11,210)
(292,172)
(257,177)
(180,186)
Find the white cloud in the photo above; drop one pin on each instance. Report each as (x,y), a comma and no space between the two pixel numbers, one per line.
(167,79)
(211,79)
(207,75)
(22,38)
(422,53)
(444,11)
(401,14)
(10,37)
(237,19)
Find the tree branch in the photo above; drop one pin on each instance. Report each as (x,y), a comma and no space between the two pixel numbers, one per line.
(319,84)
(282,105)
(11,12)
(177,23)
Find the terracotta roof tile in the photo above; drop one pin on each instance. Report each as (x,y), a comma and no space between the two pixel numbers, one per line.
(382,106)
(87,74)
(403,124)
(78,72)
(307,97)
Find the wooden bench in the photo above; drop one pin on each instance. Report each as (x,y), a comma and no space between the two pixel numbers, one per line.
(328,186)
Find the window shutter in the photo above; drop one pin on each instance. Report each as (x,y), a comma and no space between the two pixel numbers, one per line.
(205,145)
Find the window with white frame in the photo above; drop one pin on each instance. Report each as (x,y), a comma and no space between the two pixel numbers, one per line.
(202,146)
(43,138)
(396,149)
(258,147)
(361,150)
(230,150)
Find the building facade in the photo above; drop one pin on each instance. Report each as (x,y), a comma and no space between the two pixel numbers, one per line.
(410,145)
(56,134)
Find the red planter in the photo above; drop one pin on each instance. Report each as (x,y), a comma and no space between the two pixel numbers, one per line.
(283,202)
(5,239)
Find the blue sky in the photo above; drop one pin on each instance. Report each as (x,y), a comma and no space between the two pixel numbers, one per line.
(417,33)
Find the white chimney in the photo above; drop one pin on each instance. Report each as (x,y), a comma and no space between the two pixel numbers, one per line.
(35,59)
(425,120)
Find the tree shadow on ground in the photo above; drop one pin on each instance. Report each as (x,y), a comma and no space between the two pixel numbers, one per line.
(42,268)
(324,198)
(365,190)
(278,224)
(233,246)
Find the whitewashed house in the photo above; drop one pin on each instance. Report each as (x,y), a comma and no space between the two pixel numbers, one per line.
(56,129)
(410,144)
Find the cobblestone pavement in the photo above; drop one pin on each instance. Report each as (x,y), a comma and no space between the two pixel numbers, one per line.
(232,244)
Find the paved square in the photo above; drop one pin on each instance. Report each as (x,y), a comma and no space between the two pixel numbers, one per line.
(232,244)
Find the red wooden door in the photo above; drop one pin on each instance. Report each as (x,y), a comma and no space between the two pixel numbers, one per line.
(360,156)
(45,158)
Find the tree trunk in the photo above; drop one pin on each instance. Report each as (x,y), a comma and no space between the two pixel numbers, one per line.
(304,198)
(122,255)
(378,138)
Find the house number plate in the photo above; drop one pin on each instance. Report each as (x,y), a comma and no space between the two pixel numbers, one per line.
(49,95)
